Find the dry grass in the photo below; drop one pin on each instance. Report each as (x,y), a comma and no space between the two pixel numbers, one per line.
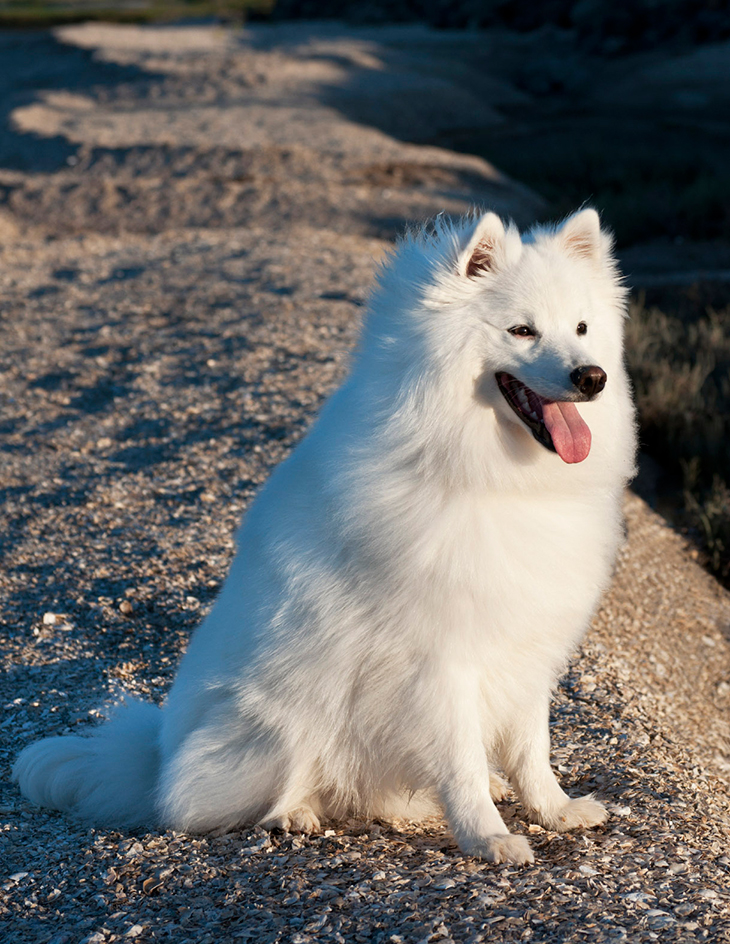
(679,359)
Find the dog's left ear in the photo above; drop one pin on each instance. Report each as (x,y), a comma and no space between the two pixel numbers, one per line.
(582,238)
(486,249)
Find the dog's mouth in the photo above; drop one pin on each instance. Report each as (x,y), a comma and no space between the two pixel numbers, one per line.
(556,424)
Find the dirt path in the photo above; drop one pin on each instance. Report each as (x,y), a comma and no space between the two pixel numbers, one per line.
(190,226)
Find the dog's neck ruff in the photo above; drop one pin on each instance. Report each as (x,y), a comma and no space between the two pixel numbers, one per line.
(556,424)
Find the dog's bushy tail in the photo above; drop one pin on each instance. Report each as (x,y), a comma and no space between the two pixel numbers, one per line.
(107,778)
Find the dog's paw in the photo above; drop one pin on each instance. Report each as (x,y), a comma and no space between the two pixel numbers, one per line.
(498,787)
(505,848)
(301,820)
(582,812)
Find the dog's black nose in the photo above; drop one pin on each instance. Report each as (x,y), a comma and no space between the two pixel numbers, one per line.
(589,380)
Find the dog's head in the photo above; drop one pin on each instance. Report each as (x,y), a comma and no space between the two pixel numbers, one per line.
(523,335)
(549,305)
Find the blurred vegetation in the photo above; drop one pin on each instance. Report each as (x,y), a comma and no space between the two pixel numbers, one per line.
(648,181)
(608,26)
(38,13)
(605,26)
(678,346)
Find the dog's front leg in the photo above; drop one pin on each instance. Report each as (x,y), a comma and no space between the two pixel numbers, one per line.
(525,756)
(463,783)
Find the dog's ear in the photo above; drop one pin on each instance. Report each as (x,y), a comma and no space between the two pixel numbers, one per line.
(486,249)
(581,236)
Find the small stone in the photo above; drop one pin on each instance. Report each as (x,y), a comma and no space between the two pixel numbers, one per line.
(151,884)
(126,608)
(620,810)
(638,897)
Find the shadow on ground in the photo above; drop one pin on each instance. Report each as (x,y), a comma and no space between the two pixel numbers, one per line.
(35,62)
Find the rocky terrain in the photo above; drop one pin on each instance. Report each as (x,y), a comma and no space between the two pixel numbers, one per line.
(190,220)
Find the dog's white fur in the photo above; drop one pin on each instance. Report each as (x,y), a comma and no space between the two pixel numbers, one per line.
(410,581)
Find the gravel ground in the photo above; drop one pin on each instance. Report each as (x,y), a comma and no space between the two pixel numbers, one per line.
(163,348)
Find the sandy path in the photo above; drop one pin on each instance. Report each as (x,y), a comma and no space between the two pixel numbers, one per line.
(176,302)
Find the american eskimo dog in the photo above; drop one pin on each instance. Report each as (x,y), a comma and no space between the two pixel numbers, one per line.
(411,580)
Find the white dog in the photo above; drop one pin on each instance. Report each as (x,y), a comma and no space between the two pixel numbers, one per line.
(410,582)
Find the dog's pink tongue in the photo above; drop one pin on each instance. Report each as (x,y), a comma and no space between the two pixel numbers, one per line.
(571,436)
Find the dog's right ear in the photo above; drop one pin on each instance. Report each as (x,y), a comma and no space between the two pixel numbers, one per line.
(486,250)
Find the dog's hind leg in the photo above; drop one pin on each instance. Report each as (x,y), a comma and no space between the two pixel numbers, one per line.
(526,760)
(296,806)
(224,775)
(302,819)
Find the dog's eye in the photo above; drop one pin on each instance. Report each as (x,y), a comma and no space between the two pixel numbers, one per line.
(522,331)
(582,328)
